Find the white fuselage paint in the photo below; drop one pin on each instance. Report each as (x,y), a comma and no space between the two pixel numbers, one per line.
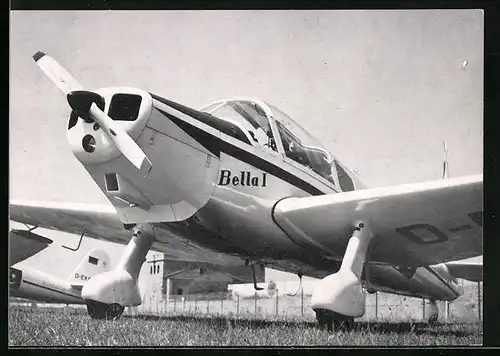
(39,286)
(201,189)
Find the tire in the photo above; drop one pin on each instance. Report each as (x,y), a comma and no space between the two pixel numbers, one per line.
(333,321)
(99,310)
(322,318)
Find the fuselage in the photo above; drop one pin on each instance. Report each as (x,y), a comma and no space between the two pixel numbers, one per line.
(216,178)
(31,284)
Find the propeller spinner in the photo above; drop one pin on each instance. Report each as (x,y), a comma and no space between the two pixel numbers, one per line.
(89,106)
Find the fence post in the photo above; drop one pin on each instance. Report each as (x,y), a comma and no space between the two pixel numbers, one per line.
(302,302)
(277,314)
(238,305)
(447,310)
(221,305)
(183,304)
(255,304)
(479,300)
(376,305)
(208,306)
(423,308)
(195,304)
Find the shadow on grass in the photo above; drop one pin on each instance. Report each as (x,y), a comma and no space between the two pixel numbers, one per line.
(418,328)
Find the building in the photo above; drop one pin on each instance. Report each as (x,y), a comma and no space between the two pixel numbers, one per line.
(162,278)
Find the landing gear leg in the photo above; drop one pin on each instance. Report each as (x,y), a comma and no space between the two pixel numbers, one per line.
(108,293)
(340,295)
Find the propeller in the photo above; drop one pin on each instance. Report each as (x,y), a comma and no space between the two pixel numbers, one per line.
(87,103)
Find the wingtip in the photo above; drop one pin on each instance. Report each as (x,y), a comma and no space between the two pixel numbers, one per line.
(38,55)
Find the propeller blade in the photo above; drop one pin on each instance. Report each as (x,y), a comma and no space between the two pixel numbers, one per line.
(56,73)
(87,102)
(122,140)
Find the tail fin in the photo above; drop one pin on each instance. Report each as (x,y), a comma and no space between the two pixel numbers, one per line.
(94,263)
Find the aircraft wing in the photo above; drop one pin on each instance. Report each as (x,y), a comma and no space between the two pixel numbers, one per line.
(102,222)
(413,224)
(470,270)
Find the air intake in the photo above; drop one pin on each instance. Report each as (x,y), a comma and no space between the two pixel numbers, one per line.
(111,182)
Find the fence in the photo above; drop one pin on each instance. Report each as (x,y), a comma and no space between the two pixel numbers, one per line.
(379,306)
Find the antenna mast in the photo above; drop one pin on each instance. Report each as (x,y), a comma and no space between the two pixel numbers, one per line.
(446,174)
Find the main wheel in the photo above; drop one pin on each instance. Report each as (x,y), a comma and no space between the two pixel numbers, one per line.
(98,310)
(333,321)
(323,319)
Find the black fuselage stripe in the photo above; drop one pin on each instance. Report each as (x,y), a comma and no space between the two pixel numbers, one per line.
(53,290)
(216,145)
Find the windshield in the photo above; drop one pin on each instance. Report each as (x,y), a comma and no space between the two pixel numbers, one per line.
(247,115)
(302,147)
(250,118)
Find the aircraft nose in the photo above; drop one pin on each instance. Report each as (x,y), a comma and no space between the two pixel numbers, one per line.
(102,135)
(181,181)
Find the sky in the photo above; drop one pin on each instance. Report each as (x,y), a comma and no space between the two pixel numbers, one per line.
(379,89)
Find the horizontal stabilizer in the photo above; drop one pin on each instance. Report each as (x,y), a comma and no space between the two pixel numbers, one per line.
(24,244)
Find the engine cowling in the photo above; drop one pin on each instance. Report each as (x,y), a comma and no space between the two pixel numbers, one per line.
(130,108)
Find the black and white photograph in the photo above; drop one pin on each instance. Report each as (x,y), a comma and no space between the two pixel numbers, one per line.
(246,178)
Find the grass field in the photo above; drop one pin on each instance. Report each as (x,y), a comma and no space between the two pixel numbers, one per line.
(73,327)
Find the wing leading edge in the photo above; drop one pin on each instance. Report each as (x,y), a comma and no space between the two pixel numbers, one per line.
(413,224)
(470,270)
(102,222)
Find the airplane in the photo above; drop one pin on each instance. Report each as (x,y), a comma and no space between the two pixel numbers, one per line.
(29,283)
(240,182)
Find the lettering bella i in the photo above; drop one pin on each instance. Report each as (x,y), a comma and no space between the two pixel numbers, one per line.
(243,179)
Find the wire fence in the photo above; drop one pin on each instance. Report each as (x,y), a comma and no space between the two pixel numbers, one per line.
(378,307)
(281,306)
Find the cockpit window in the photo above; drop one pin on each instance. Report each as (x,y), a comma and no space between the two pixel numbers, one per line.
(253,113)
(248,116)
(302,147)
(345,182)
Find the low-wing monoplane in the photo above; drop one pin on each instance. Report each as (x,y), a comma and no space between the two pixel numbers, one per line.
(238,182)
(30,283)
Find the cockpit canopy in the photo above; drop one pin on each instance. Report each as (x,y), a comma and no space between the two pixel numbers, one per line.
(261,124)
